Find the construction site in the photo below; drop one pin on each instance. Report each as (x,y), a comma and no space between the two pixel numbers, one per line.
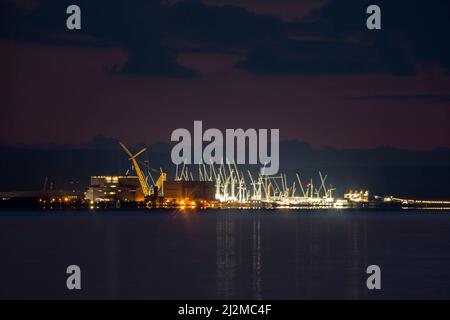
(214,185)
(224,186)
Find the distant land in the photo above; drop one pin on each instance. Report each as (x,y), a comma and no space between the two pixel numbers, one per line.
(384,170)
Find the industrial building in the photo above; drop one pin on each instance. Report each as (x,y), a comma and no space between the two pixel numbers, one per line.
(114,188)
(217,185)
(137,189)
(189,190)
(224,183)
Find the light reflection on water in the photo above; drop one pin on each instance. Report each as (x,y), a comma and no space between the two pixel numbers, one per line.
(225,254)
(226,257)
(308,238)
(256,257)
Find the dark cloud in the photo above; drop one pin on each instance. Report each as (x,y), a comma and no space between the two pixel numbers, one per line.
(331,40)
(323,57)
(229,26)
(407,98)
(418,29)
(413,33)
(153,62)
(150,31)
(135,27)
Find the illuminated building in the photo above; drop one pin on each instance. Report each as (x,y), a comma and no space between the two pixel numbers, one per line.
(357,196)
(114,188)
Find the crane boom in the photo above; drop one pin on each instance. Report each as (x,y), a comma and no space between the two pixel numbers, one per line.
(142,181)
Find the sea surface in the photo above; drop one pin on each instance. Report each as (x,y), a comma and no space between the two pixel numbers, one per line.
(225,254)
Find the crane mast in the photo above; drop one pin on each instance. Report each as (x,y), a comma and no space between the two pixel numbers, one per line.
(142,181)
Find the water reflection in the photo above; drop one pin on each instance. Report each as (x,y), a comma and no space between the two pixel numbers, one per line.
(357,258)
(225,256)
(256,257)
(307,256)
(112,252)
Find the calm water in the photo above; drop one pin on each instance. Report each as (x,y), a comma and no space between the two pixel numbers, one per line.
(225,254)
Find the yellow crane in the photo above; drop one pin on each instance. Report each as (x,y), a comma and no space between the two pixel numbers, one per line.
(144,185)
(160,182)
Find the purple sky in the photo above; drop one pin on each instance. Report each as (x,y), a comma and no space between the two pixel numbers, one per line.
(62,94)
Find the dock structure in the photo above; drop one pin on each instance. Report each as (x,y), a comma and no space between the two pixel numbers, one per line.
(225,184)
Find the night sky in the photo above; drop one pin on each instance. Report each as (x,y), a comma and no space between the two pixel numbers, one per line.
(140,69)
